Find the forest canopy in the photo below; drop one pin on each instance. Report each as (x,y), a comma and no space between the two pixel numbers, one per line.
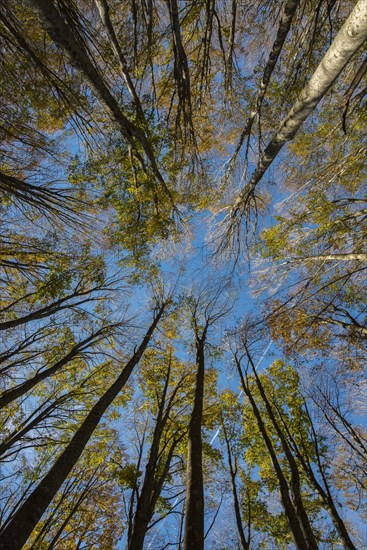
(183,254)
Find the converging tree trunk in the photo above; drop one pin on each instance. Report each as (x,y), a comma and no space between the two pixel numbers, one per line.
(289,508)
(295,482)
(245,542)
(348,40)
(194,517)
(156,470)
(29,514)
(205,310)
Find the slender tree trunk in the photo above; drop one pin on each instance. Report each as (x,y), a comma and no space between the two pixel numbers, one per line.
(338,257)
(29,514)
(295,477)
(328,504)
(325,495)
(283,29)
(194,517)
(144,509)
(245,544)
(289,509)
(70,515)
(147,503)
(60,26)
(104,10)
(10,395)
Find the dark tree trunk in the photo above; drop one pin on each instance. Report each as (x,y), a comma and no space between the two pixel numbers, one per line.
(295,482)
(245,544)
(10,395)
(144,509)
(194,517)
(29,514)
(289,509)
(325,494)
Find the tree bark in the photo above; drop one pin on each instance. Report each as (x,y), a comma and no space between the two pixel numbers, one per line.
(338,257)
(348,40)
(325,494)
(104,10)
(29,514)
(283,29)
(194,517)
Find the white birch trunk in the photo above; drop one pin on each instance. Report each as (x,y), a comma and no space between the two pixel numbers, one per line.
(348,40)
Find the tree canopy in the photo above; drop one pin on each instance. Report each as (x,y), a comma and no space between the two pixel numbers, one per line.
(183,274)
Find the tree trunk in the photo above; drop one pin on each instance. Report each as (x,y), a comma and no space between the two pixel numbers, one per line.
(325,495)
(328,257)
(144,508)
(29,514)
(194,517)
(245,544)
(295,477)
(104,9)
(289,509)
(60,26)
(283,29)
(348,40)
(10,395)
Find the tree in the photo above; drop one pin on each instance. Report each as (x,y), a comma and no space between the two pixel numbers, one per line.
(350,37)
(85,509)
(128,130)
(27,517)
(205,310)
(167,433)
(290,491)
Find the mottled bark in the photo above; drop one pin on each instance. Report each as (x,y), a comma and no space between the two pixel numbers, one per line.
(284,26)
(348,40)
(347,257)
